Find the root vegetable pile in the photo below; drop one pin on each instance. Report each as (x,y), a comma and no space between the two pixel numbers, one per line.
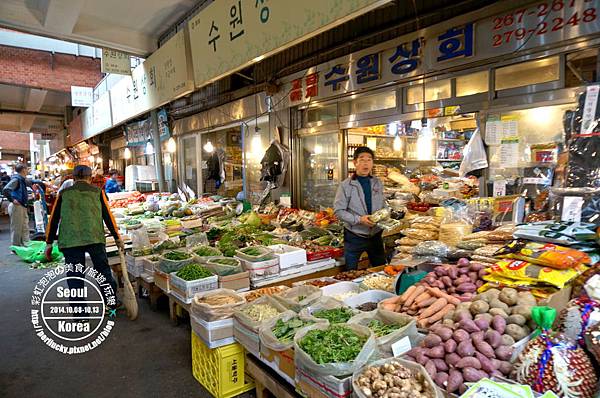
(394,380)
(466,352)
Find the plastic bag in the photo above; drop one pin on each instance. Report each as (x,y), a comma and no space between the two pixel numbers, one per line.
(168,266)
(546,254)
(217,312)
(384,343)
(197,239)
(563,206)
(487,250)
(223,266)
(472,244)
(577,317)
(299,297)
(34,252)
(562,233)
(324,303)
(419,234)
(418,373)
(268,339)
(140,242)
(251,323)
(340,368)
(431,248)
(535,274)
(408,241)
(474,155)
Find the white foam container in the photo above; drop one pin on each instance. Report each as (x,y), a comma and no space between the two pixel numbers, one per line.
(289,256)
(341,288)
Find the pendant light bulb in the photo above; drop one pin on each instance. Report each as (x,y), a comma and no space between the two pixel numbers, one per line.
(208,147)
(171,145)
(127,154)
(397,145)
(149,148)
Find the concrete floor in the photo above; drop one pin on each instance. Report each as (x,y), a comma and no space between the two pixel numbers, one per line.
(148,357)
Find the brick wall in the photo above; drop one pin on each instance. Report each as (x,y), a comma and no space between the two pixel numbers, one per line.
(9,140)
(40,69)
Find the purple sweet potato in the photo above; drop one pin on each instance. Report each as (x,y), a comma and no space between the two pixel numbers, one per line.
(477,336)
(441,379)
(460,335)
(504,367)
(484,348)
(468,362)
(468,326)
(466,287)
(432,340)
(452,273)
(452,358)
(455,379)
(465,349)
(493,338)
(450,346)
(475,266)
(503,352)
(473,276)
(436,352)
(486,364)
(473,375)
(440,365)
(430,368)
(444,333)
(482,324)
(499,324)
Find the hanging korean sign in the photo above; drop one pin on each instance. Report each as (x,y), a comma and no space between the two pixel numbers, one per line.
(229,35)
(434,49)
(139,133)
(114,61)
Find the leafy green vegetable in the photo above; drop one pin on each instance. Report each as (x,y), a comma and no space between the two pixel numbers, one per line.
(252,251)
(192,272)
(337,343)
(214,233)
(335,315)
(204,251)
(381,329)
(285,331)
(225,261)
(177,255)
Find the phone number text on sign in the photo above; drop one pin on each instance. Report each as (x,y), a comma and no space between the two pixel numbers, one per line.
(542,19)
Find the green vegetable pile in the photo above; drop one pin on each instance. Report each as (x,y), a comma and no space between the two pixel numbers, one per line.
(205,251)
(192,272)
(335,315)
(285,331)
(337,343)
(177,256)
(225,261)
(381,329)
(252,251)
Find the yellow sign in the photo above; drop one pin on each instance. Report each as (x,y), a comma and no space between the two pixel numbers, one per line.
(229,35)
(451,110)
(114,61)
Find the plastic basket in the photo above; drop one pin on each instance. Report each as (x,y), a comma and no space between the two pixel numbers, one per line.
(220,370)
(265,254)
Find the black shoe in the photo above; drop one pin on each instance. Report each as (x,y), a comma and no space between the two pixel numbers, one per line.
(117,306)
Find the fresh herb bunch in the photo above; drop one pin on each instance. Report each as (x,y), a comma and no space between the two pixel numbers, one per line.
(381,329)
(337,343)
(225,261)
(252,251)
(177,255)
(204,251)
(285,331)
(335,315)
(192,272)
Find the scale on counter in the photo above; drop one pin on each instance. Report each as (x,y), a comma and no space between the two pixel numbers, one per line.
(410,275)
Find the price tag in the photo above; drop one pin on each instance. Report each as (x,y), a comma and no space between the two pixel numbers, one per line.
(499,188)
(401,346)
(572,208)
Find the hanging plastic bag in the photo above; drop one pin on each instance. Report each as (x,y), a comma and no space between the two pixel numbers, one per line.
(407,327)
(140,242)
(216,304)
(474,155)
(196,239)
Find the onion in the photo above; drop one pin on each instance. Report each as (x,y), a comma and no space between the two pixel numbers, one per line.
(463,262)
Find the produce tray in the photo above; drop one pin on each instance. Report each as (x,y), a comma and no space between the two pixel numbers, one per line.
(327,252)
(185,290)
(266,254)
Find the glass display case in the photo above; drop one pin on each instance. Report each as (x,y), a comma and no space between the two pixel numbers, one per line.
(319,170)
(229,143)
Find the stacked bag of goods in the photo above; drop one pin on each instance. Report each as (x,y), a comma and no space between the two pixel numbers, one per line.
(421,229)
(484,244)
(541,268)
(551,361)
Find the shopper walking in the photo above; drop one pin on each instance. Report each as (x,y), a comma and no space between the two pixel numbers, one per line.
(80,210)
(16,192)
(112,185)
(357,197)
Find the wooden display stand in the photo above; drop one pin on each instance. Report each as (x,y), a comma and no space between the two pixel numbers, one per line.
(176,307)
(154,291)
(266,382)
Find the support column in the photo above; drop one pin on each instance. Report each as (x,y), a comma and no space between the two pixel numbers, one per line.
(158,159)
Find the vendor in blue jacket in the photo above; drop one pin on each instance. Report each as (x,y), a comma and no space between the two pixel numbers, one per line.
(358,197)
(112,185)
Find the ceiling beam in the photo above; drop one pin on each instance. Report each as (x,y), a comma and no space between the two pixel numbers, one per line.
(44,115)
(34,100)
(62,16)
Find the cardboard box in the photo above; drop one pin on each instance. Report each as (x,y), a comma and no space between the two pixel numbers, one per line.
(239,281)
(211,332)
(312,386)
(281,361)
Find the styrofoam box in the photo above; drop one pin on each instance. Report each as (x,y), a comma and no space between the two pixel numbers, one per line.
(340,288)
(315,386)
(370,296)
(260,269)
(187,289)
(149,265)
(247,338)
(289,256)
(211,332)
(135,265)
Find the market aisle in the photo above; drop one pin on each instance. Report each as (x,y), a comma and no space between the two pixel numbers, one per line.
(145,358)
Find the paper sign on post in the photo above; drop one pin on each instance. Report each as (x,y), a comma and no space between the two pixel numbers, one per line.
(401,346)
(499,188)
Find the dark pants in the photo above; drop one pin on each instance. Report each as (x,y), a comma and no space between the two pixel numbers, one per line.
(97,252)
(355,245)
